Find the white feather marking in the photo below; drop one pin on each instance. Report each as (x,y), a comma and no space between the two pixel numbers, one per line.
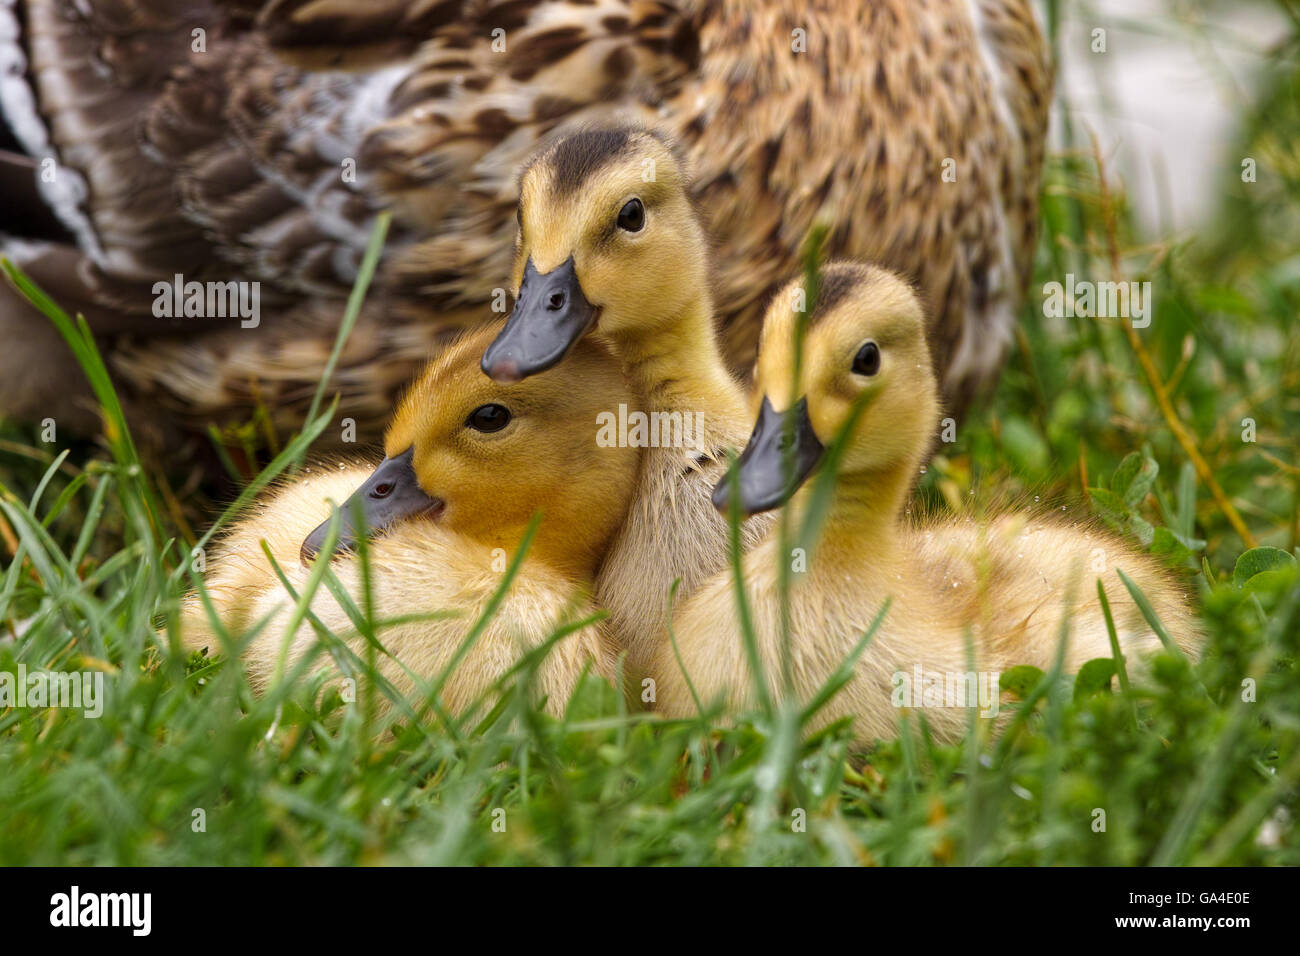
(66,195)
(22,251)
(368,107)
(370,104)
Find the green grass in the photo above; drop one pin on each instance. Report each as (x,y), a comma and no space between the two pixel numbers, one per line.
(1197,765)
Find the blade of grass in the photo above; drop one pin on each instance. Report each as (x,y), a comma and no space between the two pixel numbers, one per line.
(356,298)
(1120,668)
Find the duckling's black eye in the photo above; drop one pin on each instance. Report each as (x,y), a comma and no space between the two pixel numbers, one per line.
(867,361)
(489,418)
(632,216)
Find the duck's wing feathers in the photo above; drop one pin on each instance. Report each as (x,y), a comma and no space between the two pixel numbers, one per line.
(346,34)
(286,168)
(74,80)
(191,137)
(977,322)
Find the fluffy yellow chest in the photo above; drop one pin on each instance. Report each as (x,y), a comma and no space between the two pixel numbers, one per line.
(672,532)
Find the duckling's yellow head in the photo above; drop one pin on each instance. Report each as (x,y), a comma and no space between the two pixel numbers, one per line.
(480,457)
(606,234)
(865,372)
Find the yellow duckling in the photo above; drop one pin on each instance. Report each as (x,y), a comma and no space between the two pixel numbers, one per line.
(1006,581)
(469,462)
(608,240)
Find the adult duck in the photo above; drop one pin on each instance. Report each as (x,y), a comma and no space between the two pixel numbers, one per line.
(247,141)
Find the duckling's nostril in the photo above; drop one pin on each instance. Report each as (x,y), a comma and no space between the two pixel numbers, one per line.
(504,371)
(555,301)
(382,490)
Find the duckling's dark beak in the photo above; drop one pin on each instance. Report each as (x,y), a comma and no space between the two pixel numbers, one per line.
(388,496)
(764,484)
(550,316)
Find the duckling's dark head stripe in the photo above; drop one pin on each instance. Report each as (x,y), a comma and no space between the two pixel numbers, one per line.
(839,279)
(578,156)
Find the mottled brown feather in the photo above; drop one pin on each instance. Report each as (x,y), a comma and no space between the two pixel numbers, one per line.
(227,163)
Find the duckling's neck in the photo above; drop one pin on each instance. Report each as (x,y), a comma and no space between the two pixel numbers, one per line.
(865,516)
(679,366)
(551,547)
(567,541)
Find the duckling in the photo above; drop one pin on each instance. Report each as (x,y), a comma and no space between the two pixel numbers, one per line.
(609,242)
(1008,581)
(257,141)
(468,463)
